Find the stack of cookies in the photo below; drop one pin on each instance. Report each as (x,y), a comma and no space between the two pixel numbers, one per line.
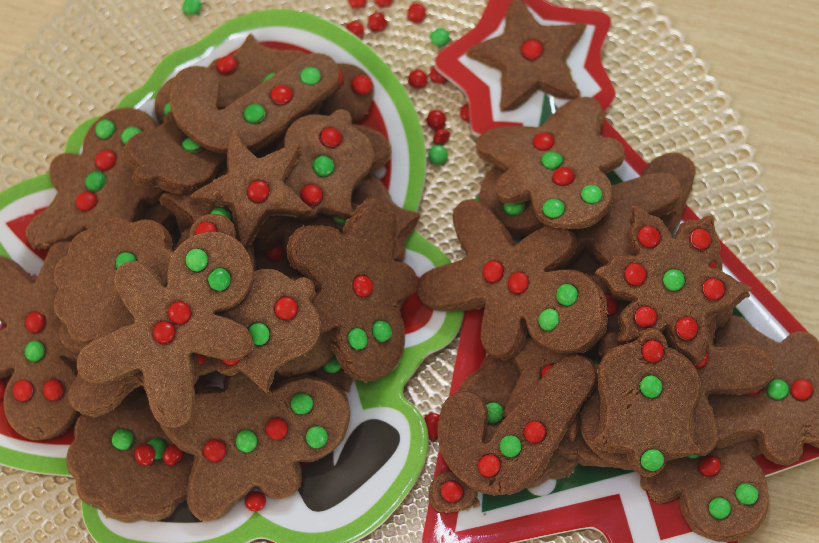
(244,235)
(611,336)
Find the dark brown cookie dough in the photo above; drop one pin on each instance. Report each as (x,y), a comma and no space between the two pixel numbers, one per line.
(353,95)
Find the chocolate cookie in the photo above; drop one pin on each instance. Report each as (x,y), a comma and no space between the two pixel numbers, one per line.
(354,94)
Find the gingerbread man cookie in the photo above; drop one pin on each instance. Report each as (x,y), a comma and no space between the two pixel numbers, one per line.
(519,219)
(562,310)
(208,273)
(683,169)
(405,220)
(560,166)
(448,494)
(95,185)
(187,211)
(244,437)
(360,288)
(354,95)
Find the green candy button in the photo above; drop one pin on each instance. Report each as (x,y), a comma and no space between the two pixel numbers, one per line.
(510,446)
(316,437)
(130,132)
(439,37)
(778,389)
(382,331)
(553,208)
(223,211)
(196,260)
(339,220)
(591,194)
(651,386)
(673,280)
(310,75)
(332,366)
(190,146)
(246,441)
(122,439)
(438,155)
(254,113)
(652,460)
(357,338)
(494,412)
(514,209)
(259,333)
(166,110)
(219,279)
(747,494)
(268,76)
(301,403)
(191,7)
(159,446)
(566,294)
(95,181)
(124,257)
(719,508)
(323,166)
(551,160)
(548,320)
(105,129)
(34,351)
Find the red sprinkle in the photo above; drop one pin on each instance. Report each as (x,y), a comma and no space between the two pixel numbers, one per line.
(465,112)
(276,254)
(436,76)
(227,65)
(653,351)
(22,391)
(172,455)
(281,94)
(713,288)
(452,491)
(612,305)
(702,363)
(645,316)
(362,84)
(493,271)
(687,328)
(417,79)
(286,308)
(311,194)
(356,28)
(179,313)
(563,176)
(355,4)
(362,286)
(258,191)
(441,136)
(53,390)
(214,450)
(377,22)
(205,227)
(518,283)
(383,3)
(649,237)
(255,501)
(635,274)
(163,332)
(700,239)
(801,389)
(531,49)
(436,118)
(105,160)
(144,455)
(709,466)
(534,432)
(545,368)
(276,428)
(543,141)
(432,425)
(86,201)
(416,12)
(489,465)
(35,322)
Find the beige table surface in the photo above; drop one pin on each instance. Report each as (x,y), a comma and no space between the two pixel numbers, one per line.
(764,54)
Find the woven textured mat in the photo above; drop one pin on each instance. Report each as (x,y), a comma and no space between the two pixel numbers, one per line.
(95,52)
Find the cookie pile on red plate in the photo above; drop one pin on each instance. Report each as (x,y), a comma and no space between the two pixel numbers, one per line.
(245,235)
(610,336)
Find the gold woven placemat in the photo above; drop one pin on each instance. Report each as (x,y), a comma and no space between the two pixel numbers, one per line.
(97,51)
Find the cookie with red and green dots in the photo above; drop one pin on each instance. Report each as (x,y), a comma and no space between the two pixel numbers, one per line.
(259,116)
(354,94)
(683,169)
(95,185)
(560,166)
(673,283)
(87,302)
(35,401)
(334,158)
(212,222)
(245,437)
(282,321)
(360,287)
(448,494)
(518,218)
(187,211)
(723,496)
(209,273)
(254,189)
(126,466)
(405,220)
(562,310)
(525,441)
(165,158)
(530,56)
(784,414)
(382,149)
(532,363)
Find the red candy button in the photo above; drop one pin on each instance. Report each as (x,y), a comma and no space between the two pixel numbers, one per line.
(276,429)
(163,332)
(452,491)
(416,12)
(86,201)
(534,432)
(687,328)
(281,94)
(645,317)
(258,191)
(713,264)
(489,465)
(205,227)
(214,450)
(531,49)
(441,136)
(545,368)
(311,194)
(179,313)
(356,28)
(431,419)
(226,65)
(649,237)
(144,455)
(331,137)
(53,390)
(22,391)
(653,351)
(518,283)
(35,322)
(231,362)
(105,159)
(543,141)
(275,254)
(417,79)
(436,119)
(493,271)
(635,274)
(200,358)
(286,308)
(563,176)
(362,286)
(377,22)
(355,4)
(701,364)
(436,76)
(713,288)
(172,455)
(362,84)
(700,239)
(612,305)
(255,501)
(709,466)
(340,78)
(464,112)
(801,389)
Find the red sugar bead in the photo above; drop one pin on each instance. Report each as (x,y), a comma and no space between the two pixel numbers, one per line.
(545,368)
(493,271)
(436,119)
(416,12)
(645,316)
(258,191)
(518,283)
(383,3)
(53,390)
(452,491)
(276,429)
(286,308)
(35,322)
(431,419)
(362,84)
(441,136)
(276,254)
(355,4)
(653,351)
(635,274)
(701,364)
(713,288)
(801,389)
(255,501)
(709,466)
(436,76)
(377,22)
(214,450)
(489,465)
(534,432)
(563,176)
(105,159)
(281,94)
(331,137)
(22,391)
(205,227)
(687,328)
(231,362)
(226,65)
(362,286)
(612,305)
(179,313)
(464,112)
(417,79)
(311,194)
(163,332)
(172,455)
(531,49)
(700,238)
(649,237)
(543,141)
(144,455)
(86,201)
(356,28)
